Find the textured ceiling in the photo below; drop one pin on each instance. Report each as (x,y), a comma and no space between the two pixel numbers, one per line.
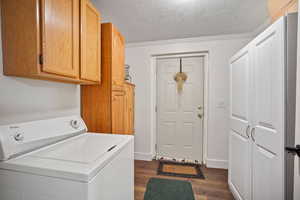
(148,20)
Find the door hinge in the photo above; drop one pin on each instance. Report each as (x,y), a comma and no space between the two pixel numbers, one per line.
(41,59)
(156,148)
(156,108)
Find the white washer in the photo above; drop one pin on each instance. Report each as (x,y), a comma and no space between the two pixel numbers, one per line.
(56,159)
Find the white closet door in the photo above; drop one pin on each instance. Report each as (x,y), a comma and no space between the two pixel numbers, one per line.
(240,144)
(268,135)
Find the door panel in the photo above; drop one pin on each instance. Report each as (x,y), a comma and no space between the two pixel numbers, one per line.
(90,42)
(266,173)
(129,109)
(268,146)
(60,36)
(240,92)
(167,112)
(118,59)
(118,108)
(240,118)
(180,130)
(240,162)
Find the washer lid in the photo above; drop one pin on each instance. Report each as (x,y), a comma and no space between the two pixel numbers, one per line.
(78,158)
(84,150)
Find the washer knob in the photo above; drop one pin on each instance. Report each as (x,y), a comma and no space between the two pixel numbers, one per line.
(19,137)
(75,124)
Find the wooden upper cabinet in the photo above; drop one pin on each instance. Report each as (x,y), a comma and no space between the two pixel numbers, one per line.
(114,47)
(60,33)
(109,107)
(118,59)
(41,39)
(278,8)
(90,42)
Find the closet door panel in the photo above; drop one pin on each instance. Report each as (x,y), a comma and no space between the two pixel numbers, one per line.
(240,91)
(268,135)
(266,174)
(240,119)
(240,162)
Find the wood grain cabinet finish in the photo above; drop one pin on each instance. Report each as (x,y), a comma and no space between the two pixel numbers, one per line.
(104,107)
(129,108)
(118,112)
(278,8)
(41,39)
(90,42)
(118,56)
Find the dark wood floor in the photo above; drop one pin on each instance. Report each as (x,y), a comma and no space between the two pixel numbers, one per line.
(214,187)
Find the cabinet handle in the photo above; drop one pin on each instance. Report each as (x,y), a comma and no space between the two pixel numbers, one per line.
(252,134)
(247,131)
(294,150)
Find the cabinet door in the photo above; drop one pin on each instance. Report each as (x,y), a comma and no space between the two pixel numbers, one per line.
(269,108)
(60,37)
(240,120)
(118,57)
(129,109)
(90,42)
(118,103)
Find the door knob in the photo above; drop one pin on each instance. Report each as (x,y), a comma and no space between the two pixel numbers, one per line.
(200,116)
(200,108)
(294,150)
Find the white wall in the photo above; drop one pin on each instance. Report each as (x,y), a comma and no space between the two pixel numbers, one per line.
(220,49)
(26,99)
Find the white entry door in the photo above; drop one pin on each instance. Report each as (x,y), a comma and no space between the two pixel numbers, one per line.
(180,115)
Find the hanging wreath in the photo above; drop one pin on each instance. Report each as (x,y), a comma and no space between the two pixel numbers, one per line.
(180,78)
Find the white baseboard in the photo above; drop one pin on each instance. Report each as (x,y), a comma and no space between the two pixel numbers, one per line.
(143,156)
(219,164)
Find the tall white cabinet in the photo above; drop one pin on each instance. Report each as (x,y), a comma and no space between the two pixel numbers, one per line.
(258,113)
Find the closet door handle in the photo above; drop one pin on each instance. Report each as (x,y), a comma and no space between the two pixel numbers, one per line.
(247,131)
(252,134)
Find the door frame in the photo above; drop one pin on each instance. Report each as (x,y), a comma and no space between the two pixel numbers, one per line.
(154,95)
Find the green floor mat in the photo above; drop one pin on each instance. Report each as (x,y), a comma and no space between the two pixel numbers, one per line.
(166,189)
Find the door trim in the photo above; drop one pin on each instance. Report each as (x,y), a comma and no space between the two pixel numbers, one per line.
(153,103)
